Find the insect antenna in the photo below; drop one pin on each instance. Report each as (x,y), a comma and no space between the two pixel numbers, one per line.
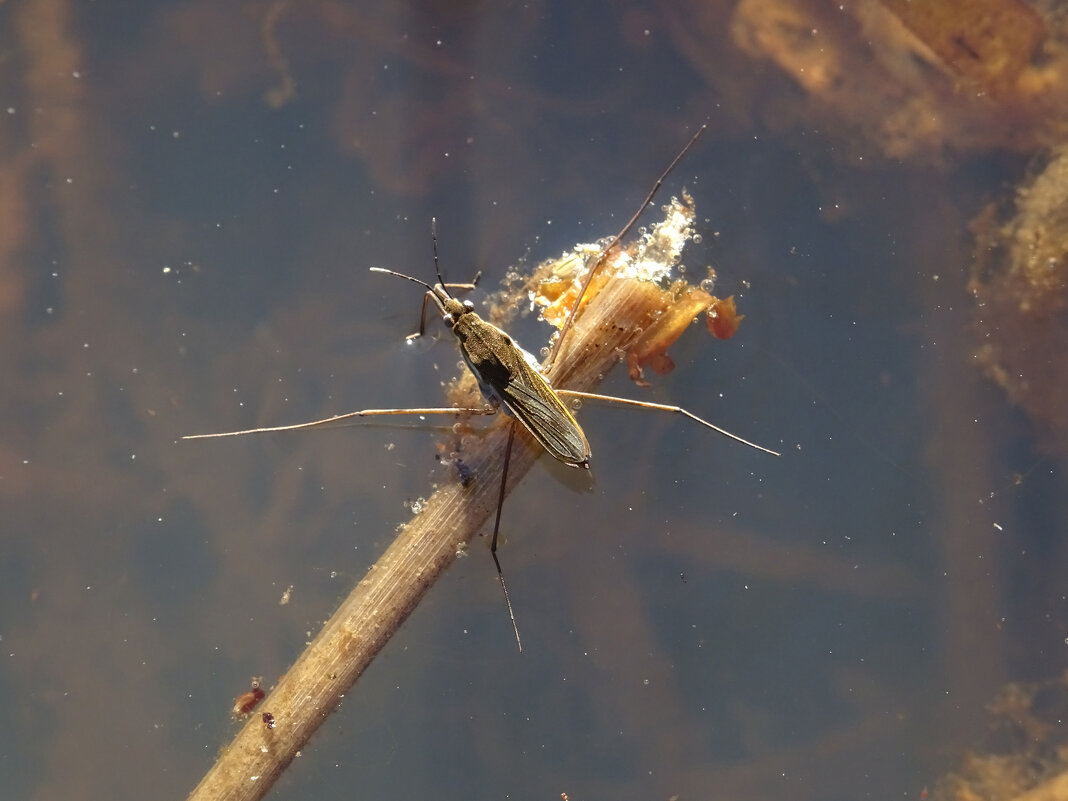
(434,239)
(437,269)
(401,275)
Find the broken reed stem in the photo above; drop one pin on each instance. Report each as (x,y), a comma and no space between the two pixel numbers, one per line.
(306,695)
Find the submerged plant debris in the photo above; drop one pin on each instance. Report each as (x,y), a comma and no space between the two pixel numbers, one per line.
(655,258)
(1020,284)
(1026,752)
(911,80)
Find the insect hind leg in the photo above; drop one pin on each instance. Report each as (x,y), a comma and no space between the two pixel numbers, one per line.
(497,530)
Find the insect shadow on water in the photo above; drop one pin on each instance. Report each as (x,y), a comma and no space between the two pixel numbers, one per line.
(509,377)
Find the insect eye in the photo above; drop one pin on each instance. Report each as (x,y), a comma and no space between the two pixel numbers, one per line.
(449,320)
(469,305)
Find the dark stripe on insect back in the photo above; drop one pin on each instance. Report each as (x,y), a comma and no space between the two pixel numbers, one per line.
(546,418)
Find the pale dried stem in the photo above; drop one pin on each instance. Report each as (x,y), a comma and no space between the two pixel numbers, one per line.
(306,695)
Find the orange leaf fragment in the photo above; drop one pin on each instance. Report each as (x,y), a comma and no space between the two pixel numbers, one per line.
(723,318)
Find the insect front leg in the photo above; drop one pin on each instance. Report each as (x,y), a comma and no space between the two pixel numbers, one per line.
(452,289)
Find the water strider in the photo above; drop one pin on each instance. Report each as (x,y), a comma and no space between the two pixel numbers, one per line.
(510,377)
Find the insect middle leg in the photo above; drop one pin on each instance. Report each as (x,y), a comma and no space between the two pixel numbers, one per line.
(326,421)
(661,407)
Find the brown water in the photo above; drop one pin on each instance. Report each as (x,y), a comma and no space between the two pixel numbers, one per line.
(182,250)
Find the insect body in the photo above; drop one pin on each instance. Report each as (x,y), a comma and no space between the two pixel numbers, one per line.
(509,376)
(248,700)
